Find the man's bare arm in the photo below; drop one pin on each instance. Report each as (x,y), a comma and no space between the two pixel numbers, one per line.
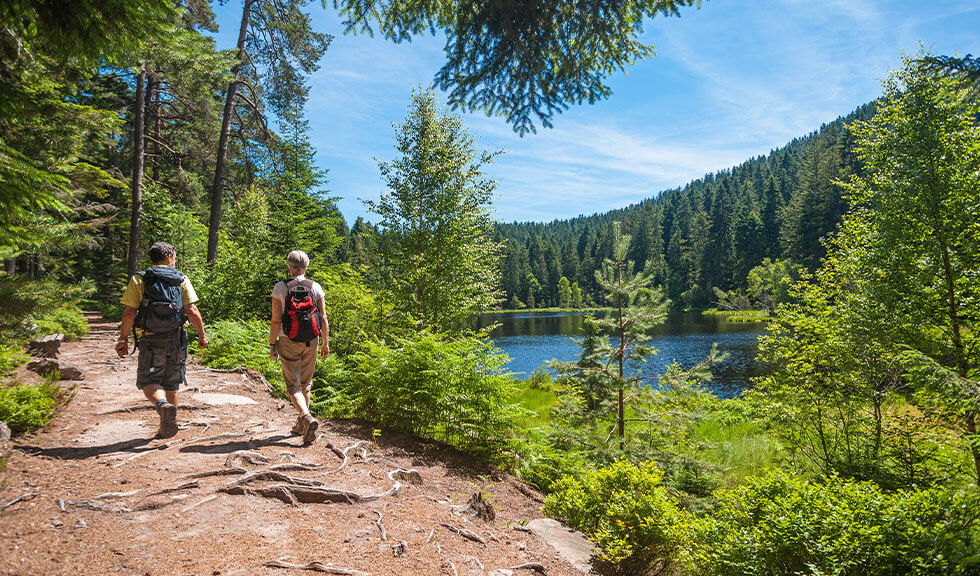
(274,326)
(325,331)
(122,343)
(194,315)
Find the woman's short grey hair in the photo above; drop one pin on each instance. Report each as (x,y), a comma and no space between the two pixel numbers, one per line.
(298,260)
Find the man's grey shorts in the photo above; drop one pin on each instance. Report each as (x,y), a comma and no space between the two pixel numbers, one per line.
(163,360)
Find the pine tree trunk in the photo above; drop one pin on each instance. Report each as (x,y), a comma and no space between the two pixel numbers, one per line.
(139,157)
(220,165)
(153,121)
(621,413)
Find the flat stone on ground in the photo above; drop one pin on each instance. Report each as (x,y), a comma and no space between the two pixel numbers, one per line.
(215,399)
(570,544)
(106,432)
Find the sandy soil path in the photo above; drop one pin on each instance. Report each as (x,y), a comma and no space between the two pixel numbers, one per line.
(102,496)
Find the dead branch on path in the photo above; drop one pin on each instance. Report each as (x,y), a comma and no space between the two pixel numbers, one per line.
(21,498)
(381,528)
(465,533)
(199,502)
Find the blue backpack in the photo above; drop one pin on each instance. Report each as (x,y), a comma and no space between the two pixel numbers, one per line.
(162,307)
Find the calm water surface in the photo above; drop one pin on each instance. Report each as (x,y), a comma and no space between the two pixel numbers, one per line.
(533,338)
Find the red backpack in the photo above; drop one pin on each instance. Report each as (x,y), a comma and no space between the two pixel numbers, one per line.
(301,317)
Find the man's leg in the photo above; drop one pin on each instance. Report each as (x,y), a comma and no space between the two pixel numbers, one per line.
(155,394)
(300,400)
(307,368)
(171,396)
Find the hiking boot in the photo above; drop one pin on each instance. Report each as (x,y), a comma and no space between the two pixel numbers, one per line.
(299,428)
(309,434)
(168,420)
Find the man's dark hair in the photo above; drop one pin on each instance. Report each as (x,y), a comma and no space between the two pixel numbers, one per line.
(160,251)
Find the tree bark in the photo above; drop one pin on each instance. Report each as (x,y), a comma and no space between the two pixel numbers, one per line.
(153,121)
(220,165)
(139,157)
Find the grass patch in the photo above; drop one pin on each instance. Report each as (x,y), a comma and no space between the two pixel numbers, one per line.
(536,405)
(739,315)
(26,407)
(740,449)
(551,309)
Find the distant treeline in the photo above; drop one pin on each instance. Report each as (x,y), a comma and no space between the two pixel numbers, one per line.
(708,234)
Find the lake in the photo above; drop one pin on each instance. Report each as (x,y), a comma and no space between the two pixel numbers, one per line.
(533,338)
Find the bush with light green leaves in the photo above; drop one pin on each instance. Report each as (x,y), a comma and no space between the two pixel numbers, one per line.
(630,515)
(782,524)
(25,407)
(434,386)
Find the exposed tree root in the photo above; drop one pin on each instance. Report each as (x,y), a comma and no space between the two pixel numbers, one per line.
(99,505)
(381,528)
(147,407)
(185,486)
(239,457)
(536,566)
(465,533)
(272,476)
(316,567)
(345,454)
(310,491)
(292,494)
(226,472)
(112,495)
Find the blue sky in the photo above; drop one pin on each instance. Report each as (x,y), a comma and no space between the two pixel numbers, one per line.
(730,81)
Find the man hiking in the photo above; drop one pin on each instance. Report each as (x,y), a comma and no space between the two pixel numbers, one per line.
(158,302)
(298,320)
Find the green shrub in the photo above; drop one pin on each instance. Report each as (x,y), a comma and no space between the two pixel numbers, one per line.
(11,357)
(331,381)
(450,390)
(67,320)
(628,513)
(782,524)
(25,407)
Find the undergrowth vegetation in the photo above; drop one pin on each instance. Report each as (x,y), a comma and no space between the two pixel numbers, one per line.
(25,407)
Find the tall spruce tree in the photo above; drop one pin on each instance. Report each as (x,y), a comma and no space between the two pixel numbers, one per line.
(636,309)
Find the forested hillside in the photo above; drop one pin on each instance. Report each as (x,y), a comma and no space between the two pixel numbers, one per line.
(708,234)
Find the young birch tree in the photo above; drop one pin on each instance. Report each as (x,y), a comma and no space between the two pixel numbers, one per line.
(436,219)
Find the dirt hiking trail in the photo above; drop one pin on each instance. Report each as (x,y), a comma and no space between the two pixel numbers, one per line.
(234,493)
